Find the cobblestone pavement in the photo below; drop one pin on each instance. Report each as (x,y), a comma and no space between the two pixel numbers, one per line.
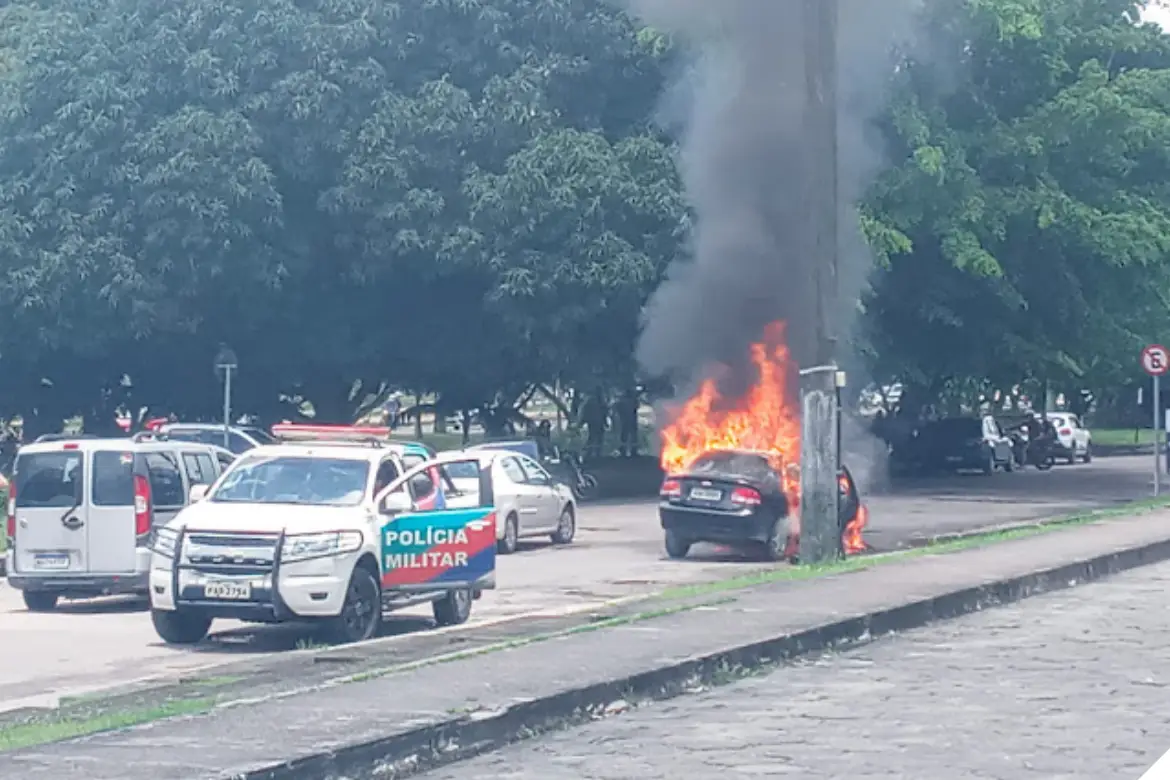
(1068,685)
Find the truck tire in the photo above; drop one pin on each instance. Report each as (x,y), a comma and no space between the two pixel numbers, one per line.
(180,627)
(361,612)
(39,600)
(453,609)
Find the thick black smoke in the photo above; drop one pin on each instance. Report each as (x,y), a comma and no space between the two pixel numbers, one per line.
(744,166)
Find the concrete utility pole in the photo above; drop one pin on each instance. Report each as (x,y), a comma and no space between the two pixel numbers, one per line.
(820,536)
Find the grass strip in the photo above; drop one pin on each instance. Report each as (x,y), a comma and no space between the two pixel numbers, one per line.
(41,731)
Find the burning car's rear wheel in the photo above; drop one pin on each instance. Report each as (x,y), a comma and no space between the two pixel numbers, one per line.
(676,546)
(776,548)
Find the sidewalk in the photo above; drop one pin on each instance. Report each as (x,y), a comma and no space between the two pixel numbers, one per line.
(470,694)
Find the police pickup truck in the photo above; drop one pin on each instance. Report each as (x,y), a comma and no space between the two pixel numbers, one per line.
(334,533)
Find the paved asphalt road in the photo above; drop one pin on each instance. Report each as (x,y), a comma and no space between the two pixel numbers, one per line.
(1069,685)
(86,646)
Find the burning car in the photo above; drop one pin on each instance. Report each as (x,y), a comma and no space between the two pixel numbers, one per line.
(738,497)
(731,465)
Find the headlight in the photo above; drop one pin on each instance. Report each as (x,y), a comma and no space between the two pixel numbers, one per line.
(164,542)
(302,546)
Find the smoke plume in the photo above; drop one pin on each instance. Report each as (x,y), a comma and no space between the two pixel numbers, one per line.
(744,166)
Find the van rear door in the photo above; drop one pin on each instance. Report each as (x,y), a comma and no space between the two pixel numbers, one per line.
(111,512)
(51,520)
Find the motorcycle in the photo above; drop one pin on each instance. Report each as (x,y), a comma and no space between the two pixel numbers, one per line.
(1040,455)
(582,483)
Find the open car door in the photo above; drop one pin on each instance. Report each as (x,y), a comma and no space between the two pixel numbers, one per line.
(439,526)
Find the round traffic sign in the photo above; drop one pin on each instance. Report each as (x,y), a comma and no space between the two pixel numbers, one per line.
(1155,360)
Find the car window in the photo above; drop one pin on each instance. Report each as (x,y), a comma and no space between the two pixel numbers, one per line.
(412,459)
(238,444)
(535,471)
(512,470)
(200,468)
(387,473)
(48,479)
(295,480)
(225,459)
(113,479)
(166,483)
(1073,421)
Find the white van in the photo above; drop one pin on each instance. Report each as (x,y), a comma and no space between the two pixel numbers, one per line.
(82,512)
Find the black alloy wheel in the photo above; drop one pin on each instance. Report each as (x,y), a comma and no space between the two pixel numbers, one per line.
(361,612)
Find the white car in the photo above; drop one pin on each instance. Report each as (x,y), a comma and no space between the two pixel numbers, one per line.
(530,501)
(1072,440)
(82,512)
(331,533)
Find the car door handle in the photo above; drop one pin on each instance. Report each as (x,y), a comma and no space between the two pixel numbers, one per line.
(72,523)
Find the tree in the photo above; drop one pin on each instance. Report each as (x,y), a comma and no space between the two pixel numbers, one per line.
(1031,203)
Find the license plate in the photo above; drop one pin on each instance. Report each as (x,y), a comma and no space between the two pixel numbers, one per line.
(228,591)
(703,494)
(51,561)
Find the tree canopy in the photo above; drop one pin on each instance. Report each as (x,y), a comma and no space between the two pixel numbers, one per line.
(469,197)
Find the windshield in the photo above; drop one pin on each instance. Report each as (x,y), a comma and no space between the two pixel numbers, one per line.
(292,480)
(733,463)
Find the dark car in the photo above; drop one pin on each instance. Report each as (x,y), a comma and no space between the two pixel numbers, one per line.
(735,497)
(955,444)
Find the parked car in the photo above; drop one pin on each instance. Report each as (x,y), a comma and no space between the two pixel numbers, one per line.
(955,444)
(333,533)
(737,497)
(530,501)
(239,439)
(82,512)
(1073,441)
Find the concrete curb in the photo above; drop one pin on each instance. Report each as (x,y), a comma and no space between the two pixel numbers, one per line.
(425,748)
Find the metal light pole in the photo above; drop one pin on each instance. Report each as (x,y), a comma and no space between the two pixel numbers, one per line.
(820,534)
(225,364)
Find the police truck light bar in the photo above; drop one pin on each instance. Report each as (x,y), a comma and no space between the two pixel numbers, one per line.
(304,432)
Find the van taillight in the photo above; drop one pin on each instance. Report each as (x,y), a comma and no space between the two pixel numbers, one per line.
(11,529)
(141,505)
(1066,432)
(671,488)
(745,496)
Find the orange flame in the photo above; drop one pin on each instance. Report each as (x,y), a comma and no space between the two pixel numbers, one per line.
(853,540)
(765,419)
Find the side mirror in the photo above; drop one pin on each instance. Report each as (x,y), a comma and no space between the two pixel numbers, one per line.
(198,492)
(395,503)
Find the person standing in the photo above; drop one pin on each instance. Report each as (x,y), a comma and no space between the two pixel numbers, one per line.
(627,420)
(595,416)
(392,408)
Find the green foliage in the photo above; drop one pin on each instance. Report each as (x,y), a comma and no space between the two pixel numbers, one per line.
(466,197)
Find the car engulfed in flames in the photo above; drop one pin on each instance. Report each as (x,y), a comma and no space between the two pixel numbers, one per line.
(765,419)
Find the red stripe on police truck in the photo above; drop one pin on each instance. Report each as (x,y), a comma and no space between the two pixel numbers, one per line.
(458,546)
